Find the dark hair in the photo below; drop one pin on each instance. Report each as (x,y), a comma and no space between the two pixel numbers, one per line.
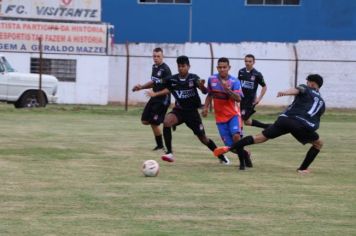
(250,56)
(158,50)
(224,59)
(181,60)
(316,78)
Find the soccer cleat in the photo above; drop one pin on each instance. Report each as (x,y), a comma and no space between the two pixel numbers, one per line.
(248,161)
(168,157)
(221,150)
(303,172)
(224,160)
(158,148)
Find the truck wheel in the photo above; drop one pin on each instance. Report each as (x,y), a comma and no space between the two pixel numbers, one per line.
(31,99)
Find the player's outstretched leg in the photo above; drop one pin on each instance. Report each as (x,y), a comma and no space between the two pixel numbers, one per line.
(167,134)
(158,137)
(259,124)
(212,146)
(310,156)
(248,140)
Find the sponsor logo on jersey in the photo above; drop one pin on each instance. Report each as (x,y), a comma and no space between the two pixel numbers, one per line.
(213,84)
(183,94)
(156,80)
(247,84)
(253,78)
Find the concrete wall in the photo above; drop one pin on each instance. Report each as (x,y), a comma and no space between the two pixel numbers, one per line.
(335,61)
(102,79)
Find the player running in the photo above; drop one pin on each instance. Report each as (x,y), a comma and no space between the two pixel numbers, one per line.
(225,91)
(184,87)
(156,108)
(250,79)
(301,119)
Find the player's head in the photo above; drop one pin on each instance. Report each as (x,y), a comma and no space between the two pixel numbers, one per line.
(157,56)
(314,81)
(249,61)
(183,65)
(223,67)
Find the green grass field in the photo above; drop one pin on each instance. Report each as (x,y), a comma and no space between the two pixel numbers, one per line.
(75,170)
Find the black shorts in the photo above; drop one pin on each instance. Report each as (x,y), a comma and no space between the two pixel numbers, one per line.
(284,125)
(247,110)
(154,112)
(192,119)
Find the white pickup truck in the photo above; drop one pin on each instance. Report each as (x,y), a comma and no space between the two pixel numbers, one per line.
(22,89)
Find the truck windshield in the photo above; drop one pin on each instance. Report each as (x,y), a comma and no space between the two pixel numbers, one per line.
(7,65)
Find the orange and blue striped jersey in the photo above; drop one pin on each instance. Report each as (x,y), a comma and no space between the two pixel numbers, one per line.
(225,107)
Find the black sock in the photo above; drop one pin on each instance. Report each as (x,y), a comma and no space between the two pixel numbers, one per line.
(159,141)
(242,158)
(167,135)
(309,158)
(259,124)
(248,140)
(211,145)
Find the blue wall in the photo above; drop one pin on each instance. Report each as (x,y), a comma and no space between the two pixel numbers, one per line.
(231,21)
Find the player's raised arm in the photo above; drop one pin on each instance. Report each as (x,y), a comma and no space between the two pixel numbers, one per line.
(152,94)
(138,87)
(262,93)
(288,92)
(233,95)
(208,101)
(202,87)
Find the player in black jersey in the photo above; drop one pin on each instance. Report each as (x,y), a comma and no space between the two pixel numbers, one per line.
(184,87)
(250,79)
(156,108)
(301,119)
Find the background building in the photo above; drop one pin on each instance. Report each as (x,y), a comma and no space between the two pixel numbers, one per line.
(230,21)
(100,49)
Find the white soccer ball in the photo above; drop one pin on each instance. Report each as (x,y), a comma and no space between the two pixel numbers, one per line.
(150,168)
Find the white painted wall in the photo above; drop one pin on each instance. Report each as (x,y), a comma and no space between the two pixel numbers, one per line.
(274,60)
(102,79)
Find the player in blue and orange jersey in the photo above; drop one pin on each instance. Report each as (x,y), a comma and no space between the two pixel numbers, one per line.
(225,91)
(301,119)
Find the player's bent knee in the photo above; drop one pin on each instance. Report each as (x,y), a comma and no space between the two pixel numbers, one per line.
(248,122)
(318,144)
(145,122)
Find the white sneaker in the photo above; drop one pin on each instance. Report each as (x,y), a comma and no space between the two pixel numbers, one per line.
(224,160)
(168,157)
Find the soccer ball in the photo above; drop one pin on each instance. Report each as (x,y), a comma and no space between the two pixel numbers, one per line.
(150,168)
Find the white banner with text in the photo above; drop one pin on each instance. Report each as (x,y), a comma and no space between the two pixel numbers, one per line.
(65,10)
(67,38)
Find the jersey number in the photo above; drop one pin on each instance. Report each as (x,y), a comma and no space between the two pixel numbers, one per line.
(316,107)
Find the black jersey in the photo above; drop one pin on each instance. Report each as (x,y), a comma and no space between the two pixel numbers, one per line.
(159,74)
(249,83)
(308,106)
(184,91)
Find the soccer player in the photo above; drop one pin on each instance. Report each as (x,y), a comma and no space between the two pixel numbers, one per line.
(301,119)
(225,91)
(250,79)
(184,87)
(156,108)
